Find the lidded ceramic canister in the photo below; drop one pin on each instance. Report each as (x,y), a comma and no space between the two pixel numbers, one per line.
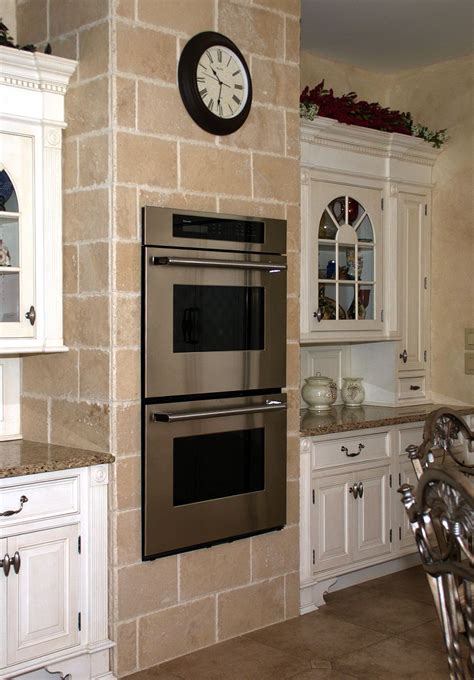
(352,392)
(319,392)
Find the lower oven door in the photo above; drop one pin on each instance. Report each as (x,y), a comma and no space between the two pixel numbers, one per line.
(212,472)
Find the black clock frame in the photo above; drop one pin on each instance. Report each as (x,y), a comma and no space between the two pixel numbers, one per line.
(188,87)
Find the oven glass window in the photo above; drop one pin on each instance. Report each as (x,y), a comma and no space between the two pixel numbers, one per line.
(218,465)
(218,318)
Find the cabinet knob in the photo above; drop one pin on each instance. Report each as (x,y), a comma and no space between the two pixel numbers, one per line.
(31,315)
(404,356)
(8,561)
(318,314)
(414,387)
(354,490)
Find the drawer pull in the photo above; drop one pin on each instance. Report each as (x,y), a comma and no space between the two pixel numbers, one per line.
(8,562)
(345,450)
(357,490)
(9,513)
(414,387)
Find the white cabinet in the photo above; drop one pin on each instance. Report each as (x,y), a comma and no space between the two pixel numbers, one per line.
(332,521)
(372,513)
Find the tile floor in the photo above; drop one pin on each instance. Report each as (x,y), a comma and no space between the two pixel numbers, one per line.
(386,628)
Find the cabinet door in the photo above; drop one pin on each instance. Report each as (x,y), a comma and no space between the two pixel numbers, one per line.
(372,513)
(405,534)
(3,608)
(332,521)
(413,256)
(43,599)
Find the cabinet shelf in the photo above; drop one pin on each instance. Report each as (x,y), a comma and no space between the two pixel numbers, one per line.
(10,270)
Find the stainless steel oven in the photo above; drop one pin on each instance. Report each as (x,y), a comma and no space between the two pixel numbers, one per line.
(214,303)
(213,471)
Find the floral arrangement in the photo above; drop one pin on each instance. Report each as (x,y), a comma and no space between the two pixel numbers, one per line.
(346,109)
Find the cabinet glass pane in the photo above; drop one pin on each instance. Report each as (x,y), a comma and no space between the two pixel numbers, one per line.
(354,211)
(327,301)
(327,261)
(366,264)
(327,228)
(9,298)
(337,208)
(8,198)
(366,308)
(346,263)
(346,300)
(365,232)
(9,242)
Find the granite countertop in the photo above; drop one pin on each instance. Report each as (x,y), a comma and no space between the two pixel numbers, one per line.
(23,457)
(346,418)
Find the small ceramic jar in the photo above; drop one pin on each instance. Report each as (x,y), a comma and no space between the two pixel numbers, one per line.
(319,392)
(352,392)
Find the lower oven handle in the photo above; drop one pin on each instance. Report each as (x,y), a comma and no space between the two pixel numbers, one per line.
(227,264)
(162,417)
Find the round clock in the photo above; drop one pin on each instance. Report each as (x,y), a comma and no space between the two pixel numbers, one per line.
(214,83)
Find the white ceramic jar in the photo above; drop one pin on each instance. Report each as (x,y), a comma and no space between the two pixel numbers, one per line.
(319,392)
(352,392)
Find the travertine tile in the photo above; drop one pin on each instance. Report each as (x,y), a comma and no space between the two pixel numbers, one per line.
(147,587)
(126,213)
(276,83)
(128,537)
(127,428)
(250,607)
(293,364)
(292,39)
(94,374)
(253,29)
(94,267)
(80,424)
(275,553)
(293,281)
(292,594)
(293,218)
(292,502)
(55,375)
(127,320)
(292,134)
(80,115)
(293,319)
(70,165)
(137,160)
(215,170)
(126,648)
(86,321)
(32,21)
(66,47)
(292,7)
(126,102)
(294,401)
(134,47)
(249,208)
(94,51)
(127,374)
(34,418)
(185,16)
(95,204)
(70,269)
(125,8)
(212,569)
(181,200)
(293,456)
(128,475)
(276,177)
(93,160)
(176,631)
(264,130)
(67,15)
(127,267)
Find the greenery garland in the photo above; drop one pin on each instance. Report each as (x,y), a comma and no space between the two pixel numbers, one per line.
(346,109)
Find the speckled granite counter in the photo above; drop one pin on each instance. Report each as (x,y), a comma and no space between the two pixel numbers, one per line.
(346,418)
(22,457)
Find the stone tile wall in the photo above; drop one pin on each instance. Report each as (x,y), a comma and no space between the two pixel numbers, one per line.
(130,143)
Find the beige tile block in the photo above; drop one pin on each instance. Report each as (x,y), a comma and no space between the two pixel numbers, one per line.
(276,178)
(213,569)
(87,106)
(67,15)
(249,208)
(80,424)
(86,215)
(127,418)
(249,608)
(180,200)
(292,134)
(128,537)
(275,553)
(127,374)
(128,475)
(292,40)
(94,374)
(264,130)
(253,29)
(293,364)
(147,587)
(135,45)
(54,375)
(126,320)
(70,269)
(127,267)
(94,267)
(137,160)
(93,160)
(293,412)
(292,7)
(276,83)
(293,457)
(176,631)
(127,224)
(292,595)
(293,217)
(34,418)
(292,502)
(183,16)
(32,22)
(293,319)
(70,165)
(293,281)
(126,649)
(66,47)
(125,8)
(94,51)
(160,109)
(212,170)
(126,102)
(86,321)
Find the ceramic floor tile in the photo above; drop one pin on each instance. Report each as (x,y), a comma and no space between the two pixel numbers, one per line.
(155,673)
(413,585)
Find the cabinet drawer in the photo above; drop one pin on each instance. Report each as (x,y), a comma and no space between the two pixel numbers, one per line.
(45,499)
(411,387)
(409,436)
(338,451)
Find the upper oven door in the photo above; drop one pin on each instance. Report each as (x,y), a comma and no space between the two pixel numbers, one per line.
(213,322)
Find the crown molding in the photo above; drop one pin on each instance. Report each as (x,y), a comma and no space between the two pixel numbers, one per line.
(35,71)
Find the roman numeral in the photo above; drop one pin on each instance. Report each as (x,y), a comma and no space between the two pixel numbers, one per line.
(236,99)
(203,92)
(219,55)
(236,87)
(236,73)
(209,56)
(230,59)
(201,80)
(211,104)
(221,113)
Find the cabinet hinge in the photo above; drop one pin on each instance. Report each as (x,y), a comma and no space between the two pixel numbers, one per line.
(390,536)
(79,621)
(425,355)
(426,209)
(314,556)
(425,283)
(400,533)
(314,497)
(390,481)
(381,203)
(381,315)
(79,545)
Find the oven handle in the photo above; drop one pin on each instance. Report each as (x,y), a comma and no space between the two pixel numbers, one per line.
(163,417)
(227,264)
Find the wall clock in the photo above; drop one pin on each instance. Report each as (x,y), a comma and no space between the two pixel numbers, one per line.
(214,83)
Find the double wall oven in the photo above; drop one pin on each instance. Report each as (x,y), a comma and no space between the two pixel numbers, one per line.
(213,369)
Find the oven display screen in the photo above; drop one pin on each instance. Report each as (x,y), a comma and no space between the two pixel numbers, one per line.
(218,465)
(218,229)
(218,318)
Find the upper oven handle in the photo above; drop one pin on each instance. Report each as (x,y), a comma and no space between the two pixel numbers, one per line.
(163,417)
(227,264)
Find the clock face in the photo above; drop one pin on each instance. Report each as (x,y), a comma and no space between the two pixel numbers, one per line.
(222,81)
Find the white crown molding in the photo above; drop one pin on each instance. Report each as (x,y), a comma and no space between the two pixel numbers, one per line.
(35,71)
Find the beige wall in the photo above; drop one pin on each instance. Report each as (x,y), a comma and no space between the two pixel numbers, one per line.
(438,96)
(129,143)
